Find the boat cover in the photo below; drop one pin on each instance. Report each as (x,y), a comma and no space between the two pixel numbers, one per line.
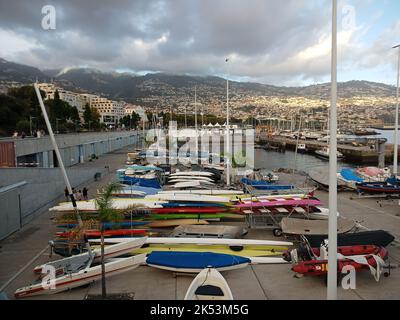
(349,175)
(379,238)
(315,227)
(152,183)
(194,260)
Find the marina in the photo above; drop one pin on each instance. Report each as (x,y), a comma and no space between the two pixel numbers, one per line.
(186,152)
(256,281)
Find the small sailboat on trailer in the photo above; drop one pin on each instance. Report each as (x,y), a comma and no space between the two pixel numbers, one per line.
(209,284)
(390,186)
(80,276)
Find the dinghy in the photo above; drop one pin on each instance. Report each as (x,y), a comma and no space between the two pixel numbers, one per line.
(192,173)
(117,203)
(73,278)
(205,192)
(110,251)
(188,197)
(174,223)
(108,233)
(359,257)
(208,241)
(209,284)
(195,262)
(280,202)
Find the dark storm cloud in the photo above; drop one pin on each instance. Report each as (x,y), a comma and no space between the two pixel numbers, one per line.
(185,36)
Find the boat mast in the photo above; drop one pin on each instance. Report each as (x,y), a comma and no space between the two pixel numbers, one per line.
(396,122)
(227,129)
(57,151)
(195,123)
(332,232)
(297,144)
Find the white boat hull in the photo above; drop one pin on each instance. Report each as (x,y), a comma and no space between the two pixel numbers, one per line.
(81,278)
(209,277)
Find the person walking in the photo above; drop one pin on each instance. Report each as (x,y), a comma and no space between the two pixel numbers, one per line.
(85,193)
(79,195)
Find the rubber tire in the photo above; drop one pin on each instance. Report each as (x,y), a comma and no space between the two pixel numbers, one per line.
(277,232)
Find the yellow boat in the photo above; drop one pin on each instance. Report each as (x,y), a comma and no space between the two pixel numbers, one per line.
(245,251)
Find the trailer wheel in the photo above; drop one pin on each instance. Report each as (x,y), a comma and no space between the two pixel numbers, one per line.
(277,232)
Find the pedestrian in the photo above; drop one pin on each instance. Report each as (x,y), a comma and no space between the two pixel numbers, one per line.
(85,193)
(66,193)
(15,134)
(42,133)
(80,195)
(38,133)
(74,193)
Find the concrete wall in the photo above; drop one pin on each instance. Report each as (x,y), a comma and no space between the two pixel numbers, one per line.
(35,145)
(74,148)
(44,186)
(10,213)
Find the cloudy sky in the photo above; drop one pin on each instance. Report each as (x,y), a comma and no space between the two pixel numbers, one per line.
(269,41)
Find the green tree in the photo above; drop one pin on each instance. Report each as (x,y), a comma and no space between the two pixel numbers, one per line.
(106,214)
(23,126)
(95,118)
(87,114)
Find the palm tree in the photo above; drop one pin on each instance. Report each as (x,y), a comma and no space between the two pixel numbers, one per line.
(106,214)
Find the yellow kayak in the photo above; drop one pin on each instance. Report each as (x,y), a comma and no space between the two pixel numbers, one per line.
(245,251)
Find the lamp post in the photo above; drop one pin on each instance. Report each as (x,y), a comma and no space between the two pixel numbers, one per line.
(332,223)
(227,128)
(57,125)
(30,124)
(396,122)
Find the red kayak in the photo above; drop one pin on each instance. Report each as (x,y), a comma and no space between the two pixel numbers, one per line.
(320,267)
(107,233)
(189,210)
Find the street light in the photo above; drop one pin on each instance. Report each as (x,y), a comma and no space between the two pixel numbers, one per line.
(30,124)
(57,124)
(396,122)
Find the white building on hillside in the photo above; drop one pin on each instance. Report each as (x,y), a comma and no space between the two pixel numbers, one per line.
(110,111)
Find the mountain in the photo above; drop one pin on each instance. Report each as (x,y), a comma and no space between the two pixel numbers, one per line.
(10,71)
(136,88)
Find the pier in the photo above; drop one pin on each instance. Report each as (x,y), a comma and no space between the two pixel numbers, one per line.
(372,152)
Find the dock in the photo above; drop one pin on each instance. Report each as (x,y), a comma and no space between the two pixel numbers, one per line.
(374,152)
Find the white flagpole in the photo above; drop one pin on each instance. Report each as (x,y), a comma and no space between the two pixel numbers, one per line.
(396,123)
(332,235)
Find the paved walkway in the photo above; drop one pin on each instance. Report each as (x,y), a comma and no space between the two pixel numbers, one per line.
(25,248)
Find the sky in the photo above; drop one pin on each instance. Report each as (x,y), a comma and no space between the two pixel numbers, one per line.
(268,41)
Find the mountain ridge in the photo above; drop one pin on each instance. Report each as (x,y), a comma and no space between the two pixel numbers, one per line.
(132,87)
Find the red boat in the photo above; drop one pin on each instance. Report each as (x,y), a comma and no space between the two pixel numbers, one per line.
(189,210)
(316,267)
(108,233)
